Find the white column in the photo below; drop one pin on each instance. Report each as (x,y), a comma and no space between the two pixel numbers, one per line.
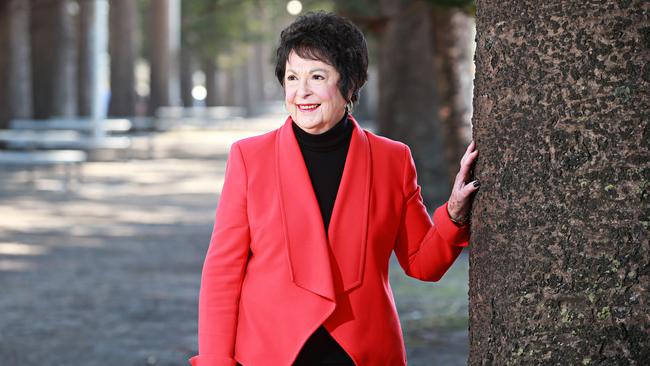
(100,80)
(174,52)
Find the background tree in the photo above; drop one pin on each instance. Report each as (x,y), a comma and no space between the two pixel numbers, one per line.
(424,63)
(53,58)
(85,56)
(211,69)
(162,54)
(212,28)
(559,264)
(453,39)
(15,61)
(122,47)
(188,66)
(408,108)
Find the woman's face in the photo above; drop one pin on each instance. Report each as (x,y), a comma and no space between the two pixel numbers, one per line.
(311,94)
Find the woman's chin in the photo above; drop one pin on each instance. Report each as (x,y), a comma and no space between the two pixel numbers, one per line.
(309,117)
(308,123)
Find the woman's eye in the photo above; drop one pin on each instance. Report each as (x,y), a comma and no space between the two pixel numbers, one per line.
(319,77)
(291,77)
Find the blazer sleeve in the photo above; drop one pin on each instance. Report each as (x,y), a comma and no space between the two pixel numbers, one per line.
(424,248)
(224,268)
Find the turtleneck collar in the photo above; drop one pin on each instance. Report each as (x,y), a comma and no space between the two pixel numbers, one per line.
(332,139)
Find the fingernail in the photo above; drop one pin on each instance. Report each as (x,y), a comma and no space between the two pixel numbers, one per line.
(476,183)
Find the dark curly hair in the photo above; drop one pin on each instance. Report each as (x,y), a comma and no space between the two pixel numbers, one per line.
(329,38)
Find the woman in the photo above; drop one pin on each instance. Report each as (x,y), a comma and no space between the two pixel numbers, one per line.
(297,268)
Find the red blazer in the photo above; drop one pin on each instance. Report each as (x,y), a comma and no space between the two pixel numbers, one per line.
(272,276)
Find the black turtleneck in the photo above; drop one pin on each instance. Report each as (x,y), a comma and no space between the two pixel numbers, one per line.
(324,156)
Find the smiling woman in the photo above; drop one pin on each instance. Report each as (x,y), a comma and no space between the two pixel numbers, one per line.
(309,214)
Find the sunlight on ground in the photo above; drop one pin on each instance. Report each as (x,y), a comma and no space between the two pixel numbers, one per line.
(21,249)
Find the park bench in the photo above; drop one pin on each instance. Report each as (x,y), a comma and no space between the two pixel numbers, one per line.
(70,160)
(51,140)
(95,134)
(100,127)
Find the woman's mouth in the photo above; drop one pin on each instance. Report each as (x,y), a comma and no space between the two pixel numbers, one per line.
(308,107)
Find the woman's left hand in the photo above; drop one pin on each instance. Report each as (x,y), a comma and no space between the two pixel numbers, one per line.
(460,200)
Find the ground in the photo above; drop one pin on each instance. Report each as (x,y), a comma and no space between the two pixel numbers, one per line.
(108,272)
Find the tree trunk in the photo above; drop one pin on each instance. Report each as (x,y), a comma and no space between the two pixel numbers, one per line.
(258,77)
(238,84)
(407,99)
(53,61)
(559,265)
(15,72)
(122,48)
(243,70)
(453,60)
(186,73)
(211,82)
(86,57)
(229,84)
(160,57)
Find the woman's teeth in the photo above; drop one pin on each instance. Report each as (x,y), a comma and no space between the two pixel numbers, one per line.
(308,107)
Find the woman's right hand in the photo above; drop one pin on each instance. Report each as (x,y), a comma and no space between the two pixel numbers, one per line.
(460,200)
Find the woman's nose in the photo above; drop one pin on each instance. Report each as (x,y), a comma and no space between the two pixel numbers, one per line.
(303,88)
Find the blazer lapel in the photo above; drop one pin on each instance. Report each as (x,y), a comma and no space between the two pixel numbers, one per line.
(308,248)
(303,226)
(349,225)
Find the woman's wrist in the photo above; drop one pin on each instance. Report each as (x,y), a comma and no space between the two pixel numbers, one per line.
(459,220)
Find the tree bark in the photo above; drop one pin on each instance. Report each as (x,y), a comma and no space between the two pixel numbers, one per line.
(453,60)
(559,260)
(408,110)
(53,61)
(15,61)
(85,57)
(123,19)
